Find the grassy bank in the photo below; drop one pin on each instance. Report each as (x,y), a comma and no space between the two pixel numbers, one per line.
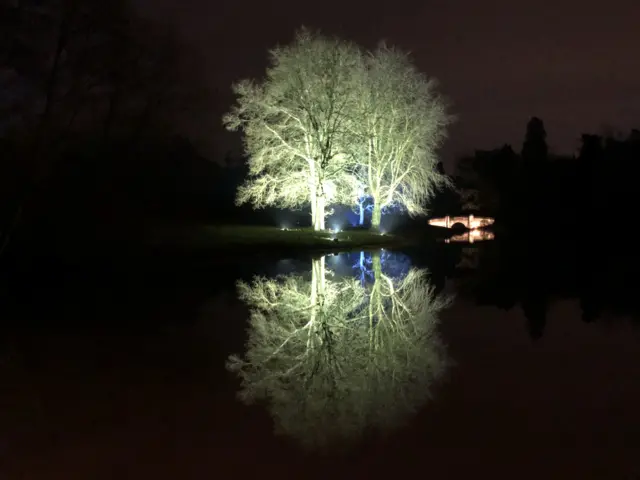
(174,246)
(258,237)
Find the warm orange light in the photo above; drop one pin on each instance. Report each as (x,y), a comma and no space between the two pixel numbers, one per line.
(472,236)
(470,221)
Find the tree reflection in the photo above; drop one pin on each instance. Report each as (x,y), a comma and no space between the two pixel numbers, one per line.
(334,358)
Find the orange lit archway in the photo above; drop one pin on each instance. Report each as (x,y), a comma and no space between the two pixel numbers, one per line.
(470,221)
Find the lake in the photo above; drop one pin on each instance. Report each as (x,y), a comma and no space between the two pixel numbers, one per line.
(506,358)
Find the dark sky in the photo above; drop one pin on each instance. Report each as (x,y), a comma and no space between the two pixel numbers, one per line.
(574,63)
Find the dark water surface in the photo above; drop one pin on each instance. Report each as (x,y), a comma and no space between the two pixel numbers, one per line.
(530,372)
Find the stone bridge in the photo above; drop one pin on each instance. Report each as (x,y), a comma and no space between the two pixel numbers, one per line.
(471,222)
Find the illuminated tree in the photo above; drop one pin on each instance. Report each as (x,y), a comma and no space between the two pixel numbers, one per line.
(362,202)
(293,122)
(400,122)
(333,359)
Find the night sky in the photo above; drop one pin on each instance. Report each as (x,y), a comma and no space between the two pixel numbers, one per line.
(574,63)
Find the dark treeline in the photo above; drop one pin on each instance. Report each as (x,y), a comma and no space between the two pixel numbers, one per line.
(563,225)
(533,189)
(93,100)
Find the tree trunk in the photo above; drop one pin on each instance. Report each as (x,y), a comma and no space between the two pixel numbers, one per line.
(362,269)
(52,80)
(375,299)
(41,166)
(317,293)
(376,215)
(318,276)
(377,266)
(313,193)
(319,214)
(361,212)
(317,197)
(313,212)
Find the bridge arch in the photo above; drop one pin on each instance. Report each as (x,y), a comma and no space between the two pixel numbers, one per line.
(468,221)
(459,224)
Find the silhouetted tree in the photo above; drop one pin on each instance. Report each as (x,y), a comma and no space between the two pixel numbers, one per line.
(87,71)
(534,148)
(590,157)
(489,182)
(447,198)
(535,156)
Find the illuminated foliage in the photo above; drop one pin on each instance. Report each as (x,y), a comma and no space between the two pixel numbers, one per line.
(331,124)
(333,358)
(399,123)
(293,122)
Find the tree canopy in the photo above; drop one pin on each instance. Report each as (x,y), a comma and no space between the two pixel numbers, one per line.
(330,121)
(293,124)
(400,123)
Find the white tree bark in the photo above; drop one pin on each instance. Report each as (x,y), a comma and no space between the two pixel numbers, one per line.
(294,123)
(400,124)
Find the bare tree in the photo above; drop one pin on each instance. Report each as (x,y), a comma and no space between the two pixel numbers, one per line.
(36,51)
(400,122)
(293,122)
(72,67)
(328,370)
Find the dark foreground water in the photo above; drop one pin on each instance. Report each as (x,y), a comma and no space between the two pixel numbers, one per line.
(530,371)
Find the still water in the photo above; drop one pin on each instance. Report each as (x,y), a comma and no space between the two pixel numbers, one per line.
(454,360)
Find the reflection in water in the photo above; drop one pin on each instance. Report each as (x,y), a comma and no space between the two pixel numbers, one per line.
(470,236)
(469,258)
(335,357)
(508,274)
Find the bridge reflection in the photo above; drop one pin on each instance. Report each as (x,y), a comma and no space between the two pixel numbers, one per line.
(471,236)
